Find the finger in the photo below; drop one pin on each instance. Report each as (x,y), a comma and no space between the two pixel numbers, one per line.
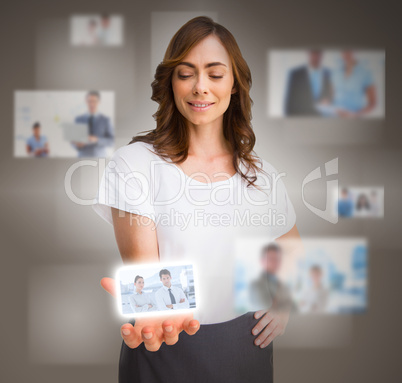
(266,332)
(152,339)
(258,314)
(267,318)
(270,338)
(170,332)
(131,337)
(191,326)
(109,285)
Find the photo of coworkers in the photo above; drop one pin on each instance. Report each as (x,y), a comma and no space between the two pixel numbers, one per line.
(63,124)
(328,276)
(344,83)
(360,202)
(96,30)
(155,288)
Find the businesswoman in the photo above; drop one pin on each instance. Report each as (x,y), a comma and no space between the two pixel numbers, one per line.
(140,301)
(363,207)
(197,162)
(355,92)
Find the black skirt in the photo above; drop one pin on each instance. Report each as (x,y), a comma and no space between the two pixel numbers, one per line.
(222,352)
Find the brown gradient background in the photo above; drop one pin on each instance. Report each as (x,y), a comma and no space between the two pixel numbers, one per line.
(54,251)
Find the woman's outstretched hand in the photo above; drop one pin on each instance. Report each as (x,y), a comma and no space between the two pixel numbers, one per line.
(271,324)
(155,330)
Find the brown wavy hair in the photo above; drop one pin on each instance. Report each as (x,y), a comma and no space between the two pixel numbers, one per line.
(170,138)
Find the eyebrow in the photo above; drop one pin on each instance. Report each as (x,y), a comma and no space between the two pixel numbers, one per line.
(217,63)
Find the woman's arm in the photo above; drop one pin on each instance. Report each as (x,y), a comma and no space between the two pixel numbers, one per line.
(291,242)
(136,237)
(137,242)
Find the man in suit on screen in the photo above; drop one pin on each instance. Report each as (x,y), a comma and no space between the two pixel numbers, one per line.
(308,86)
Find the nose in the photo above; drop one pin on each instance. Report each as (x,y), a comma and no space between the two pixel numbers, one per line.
(200,86)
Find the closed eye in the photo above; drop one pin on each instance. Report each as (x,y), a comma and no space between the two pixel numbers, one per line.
(187,76)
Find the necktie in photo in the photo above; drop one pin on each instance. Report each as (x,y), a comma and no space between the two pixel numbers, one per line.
(172,298)
(91,125)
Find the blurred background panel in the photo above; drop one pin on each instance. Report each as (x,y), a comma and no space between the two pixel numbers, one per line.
(54,120)
(327,276)
(323,83)
(57,322)
(66,312)
(60,65)
(103,30)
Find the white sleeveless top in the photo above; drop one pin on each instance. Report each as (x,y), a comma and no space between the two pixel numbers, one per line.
(196,222)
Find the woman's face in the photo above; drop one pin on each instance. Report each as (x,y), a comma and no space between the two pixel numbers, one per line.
(139,284)
(203,82)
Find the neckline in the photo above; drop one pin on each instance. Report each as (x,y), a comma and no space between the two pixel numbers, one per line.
(167,288)
(232,178)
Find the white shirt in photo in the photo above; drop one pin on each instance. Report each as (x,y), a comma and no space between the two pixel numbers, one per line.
(140,302)
(162,298)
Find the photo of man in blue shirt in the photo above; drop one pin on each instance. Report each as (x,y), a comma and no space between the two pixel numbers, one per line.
(100,130)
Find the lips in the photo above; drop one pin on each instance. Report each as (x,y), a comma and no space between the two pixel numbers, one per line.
(200,105)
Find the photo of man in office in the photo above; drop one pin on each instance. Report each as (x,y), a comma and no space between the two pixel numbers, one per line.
(37,144)
(105,30)
(345,204)
(308,86)
(170,297)
(268,291)
(91,37)
(100,130)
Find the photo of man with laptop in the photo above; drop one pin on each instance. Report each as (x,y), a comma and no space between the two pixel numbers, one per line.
(92,132)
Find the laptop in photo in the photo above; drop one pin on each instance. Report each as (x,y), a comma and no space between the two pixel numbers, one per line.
(75,132)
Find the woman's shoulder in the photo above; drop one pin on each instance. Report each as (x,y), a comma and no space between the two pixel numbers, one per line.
(266,166)
(136,155)
(136,149)
(269,174)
